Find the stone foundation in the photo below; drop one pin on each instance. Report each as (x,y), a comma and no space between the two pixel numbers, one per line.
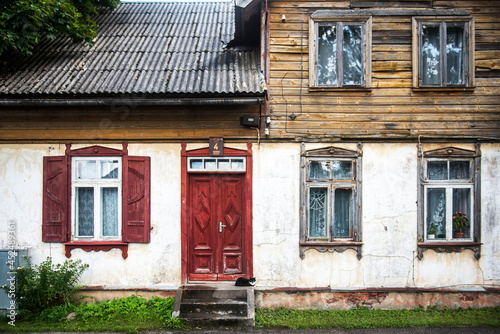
(328,299)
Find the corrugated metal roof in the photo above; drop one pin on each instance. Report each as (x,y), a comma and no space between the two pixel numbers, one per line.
(156,48)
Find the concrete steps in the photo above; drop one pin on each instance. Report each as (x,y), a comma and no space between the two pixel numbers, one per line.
(214,304)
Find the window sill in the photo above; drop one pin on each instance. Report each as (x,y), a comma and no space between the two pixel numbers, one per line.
(339,89)
(97,246)
(443,89)
(331,247)
(449,247)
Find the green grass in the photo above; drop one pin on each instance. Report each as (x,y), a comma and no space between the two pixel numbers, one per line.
(131,314)
(134,314)
(364,318)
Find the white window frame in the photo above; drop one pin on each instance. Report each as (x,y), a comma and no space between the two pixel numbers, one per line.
(417,22)
(97,185)
(449,211)
(366,32)
(217,165)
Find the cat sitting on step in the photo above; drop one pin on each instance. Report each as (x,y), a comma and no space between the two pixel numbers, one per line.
(242,281)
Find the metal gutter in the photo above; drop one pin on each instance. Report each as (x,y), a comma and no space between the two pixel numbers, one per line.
(128,101)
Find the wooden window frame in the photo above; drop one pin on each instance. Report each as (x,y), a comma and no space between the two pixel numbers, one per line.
(333,244)
(450,245)
(469,32)
(57,223)
(365,22)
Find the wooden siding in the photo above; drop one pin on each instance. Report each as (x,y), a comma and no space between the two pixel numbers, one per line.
(121,123)
(391,108)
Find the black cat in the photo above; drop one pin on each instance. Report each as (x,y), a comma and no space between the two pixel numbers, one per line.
(242,281)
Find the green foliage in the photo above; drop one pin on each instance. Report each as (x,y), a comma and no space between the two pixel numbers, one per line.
(130,314)
(23,23)
(39,287)
(364,318)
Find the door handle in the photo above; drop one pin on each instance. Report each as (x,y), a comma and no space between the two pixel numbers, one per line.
(221,227)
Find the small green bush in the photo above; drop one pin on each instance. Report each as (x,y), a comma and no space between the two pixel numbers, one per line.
(39,287)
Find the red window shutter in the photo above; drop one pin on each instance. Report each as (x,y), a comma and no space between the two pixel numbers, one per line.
(136,199)
(55,200)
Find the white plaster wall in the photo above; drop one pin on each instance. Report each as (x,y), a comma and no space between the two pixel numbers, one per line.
(276,214)
(156,264)
(389,222)
(490,213)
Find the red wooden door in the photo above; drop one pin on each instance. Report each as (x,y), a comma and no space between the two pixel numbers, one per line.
(216,227)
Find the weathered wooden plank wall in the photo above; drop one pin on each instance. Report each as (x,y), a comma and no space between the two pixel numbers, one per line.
(130,123)
(391,109)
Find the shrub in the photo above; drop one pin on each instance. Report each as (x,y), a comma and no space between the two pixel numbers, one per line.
(42,286)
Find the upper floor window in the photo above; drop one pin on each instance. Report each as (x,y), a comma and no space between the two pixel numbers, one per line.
(443,52)
(341,50)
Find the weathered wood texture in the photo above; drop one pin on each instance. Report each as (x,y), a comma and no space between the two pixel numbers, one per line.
(139,123)
(391,108)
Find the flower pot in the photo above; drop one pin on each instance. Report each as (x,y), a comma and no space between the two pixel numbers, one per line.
(458,235)
(431,236)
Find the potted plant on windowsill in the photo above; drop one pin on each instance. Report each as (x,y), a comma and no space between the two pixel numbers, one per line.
(432,230)
(460,223)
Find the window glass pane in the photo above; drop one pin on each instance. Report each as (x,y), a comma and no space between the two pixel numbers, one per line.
(327,55)
(210,164)
(319,170)
(436,210)
(86,169)
(459,170)
(317,212)
(223,164)
(455,61)
(109,169)
(343,213)
(85,211)
(109,212)
(431,61)
(196,164)
(437,170)
(352,56)
(461,203)
(341,170)
(237,164)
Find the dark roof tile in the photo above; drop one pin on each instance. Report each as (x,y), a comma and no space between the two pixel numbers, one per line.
(158,48)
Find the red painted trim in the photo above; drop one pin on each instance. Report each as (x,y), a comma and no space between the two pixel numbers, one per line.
(248,202)
(248,220)
(184,214)
(97,151)
(96,246)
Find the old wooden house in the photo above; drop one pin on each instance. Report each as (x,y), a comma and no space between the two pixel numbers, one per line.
(327,148)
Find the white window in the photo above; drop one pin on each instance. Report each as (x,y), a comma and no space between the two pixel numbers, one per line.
(209,164)
(443,52)
(96,190)
(341,49)
(448,198)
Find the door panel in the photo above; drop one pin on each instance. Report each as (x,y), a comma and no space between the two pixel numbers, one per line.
(202,236)
(216,229)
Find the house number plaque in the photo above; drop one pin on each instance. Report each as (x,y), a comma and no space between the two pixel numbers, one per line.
(216,146)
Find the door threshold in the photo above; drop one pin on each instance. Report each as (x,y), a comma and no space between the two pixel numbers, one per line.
(227,285)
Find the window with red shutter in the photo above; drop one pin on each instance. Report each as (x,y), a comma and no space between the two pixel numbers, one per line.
(136,203)
(62,181)
(55,226)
